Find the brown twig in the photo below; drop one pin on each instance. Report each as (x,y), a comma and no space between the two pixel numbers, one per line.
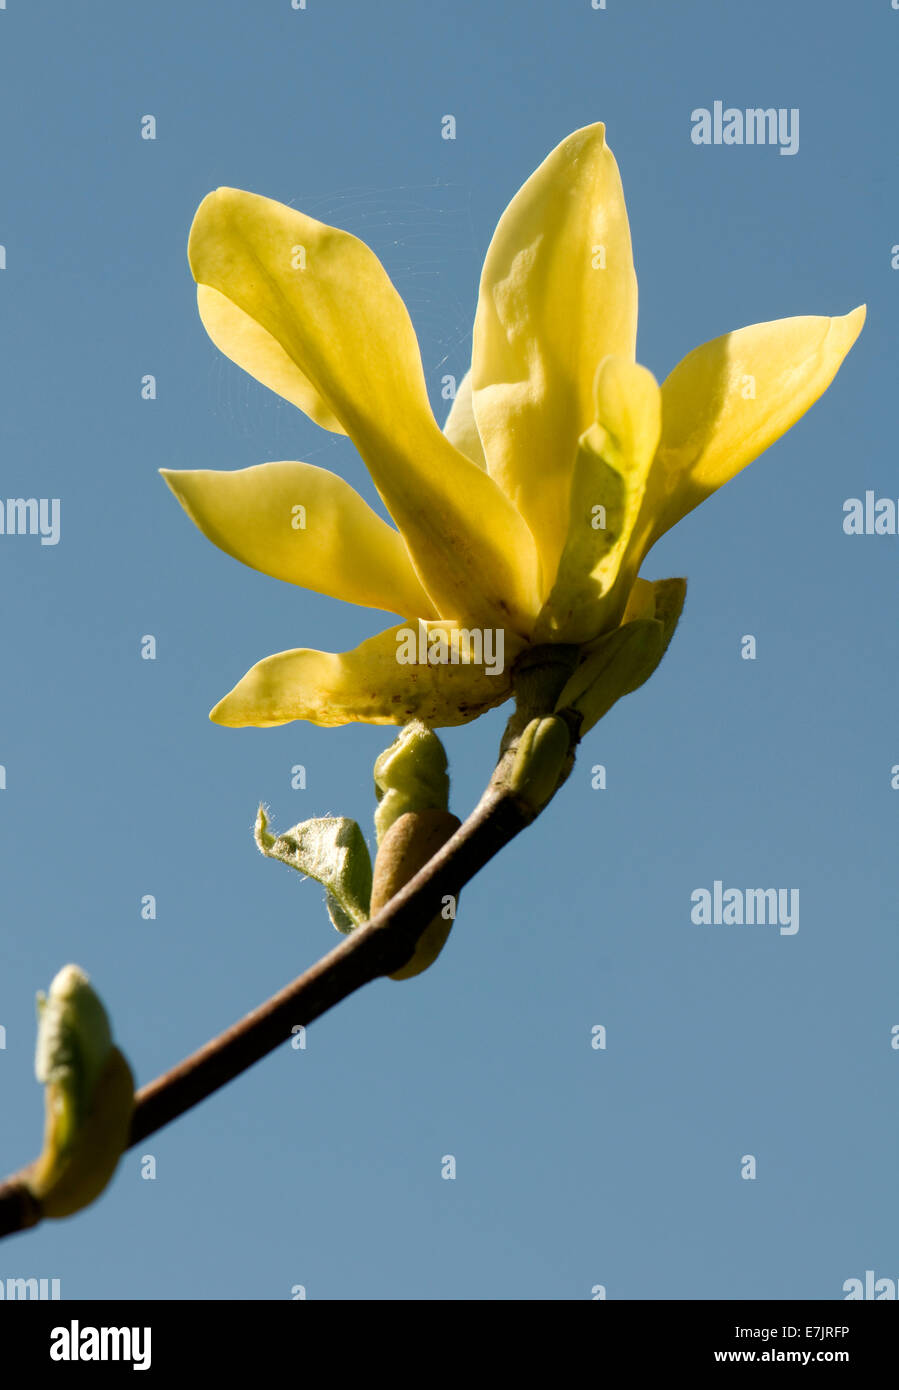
(380,947)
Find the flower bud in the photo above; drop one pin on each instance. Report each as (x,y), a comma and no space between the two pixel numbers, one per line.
(410,775)
(89,1096)
(411,841)
(540,760)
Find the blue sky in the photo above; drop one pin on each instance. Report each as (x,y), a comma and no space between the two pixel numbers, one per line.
(576,1167)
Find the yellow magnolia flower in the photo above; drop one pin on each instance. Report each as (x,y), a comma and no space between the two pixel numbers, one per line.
(561,463)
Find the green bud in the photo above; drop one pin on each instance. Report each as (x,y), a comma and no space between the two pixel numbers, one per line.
(410,775)
(89,1096)
(540,760)
(74,1036)
(332,850)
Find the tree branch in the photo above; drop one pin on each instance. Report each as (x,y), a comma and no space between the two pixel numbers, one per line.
(379,948)
(382,946)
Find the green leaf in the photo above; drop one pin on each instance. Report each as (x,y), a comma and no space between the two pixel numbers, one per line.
(332,850)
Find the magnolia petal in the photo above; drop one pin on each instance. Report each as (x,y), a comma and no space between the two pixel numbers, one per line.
(461,427)
(368,685)
(304,525)
(731,398)
(327,301)
(245,342)
(641,601)
(611,469)
(558,293)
